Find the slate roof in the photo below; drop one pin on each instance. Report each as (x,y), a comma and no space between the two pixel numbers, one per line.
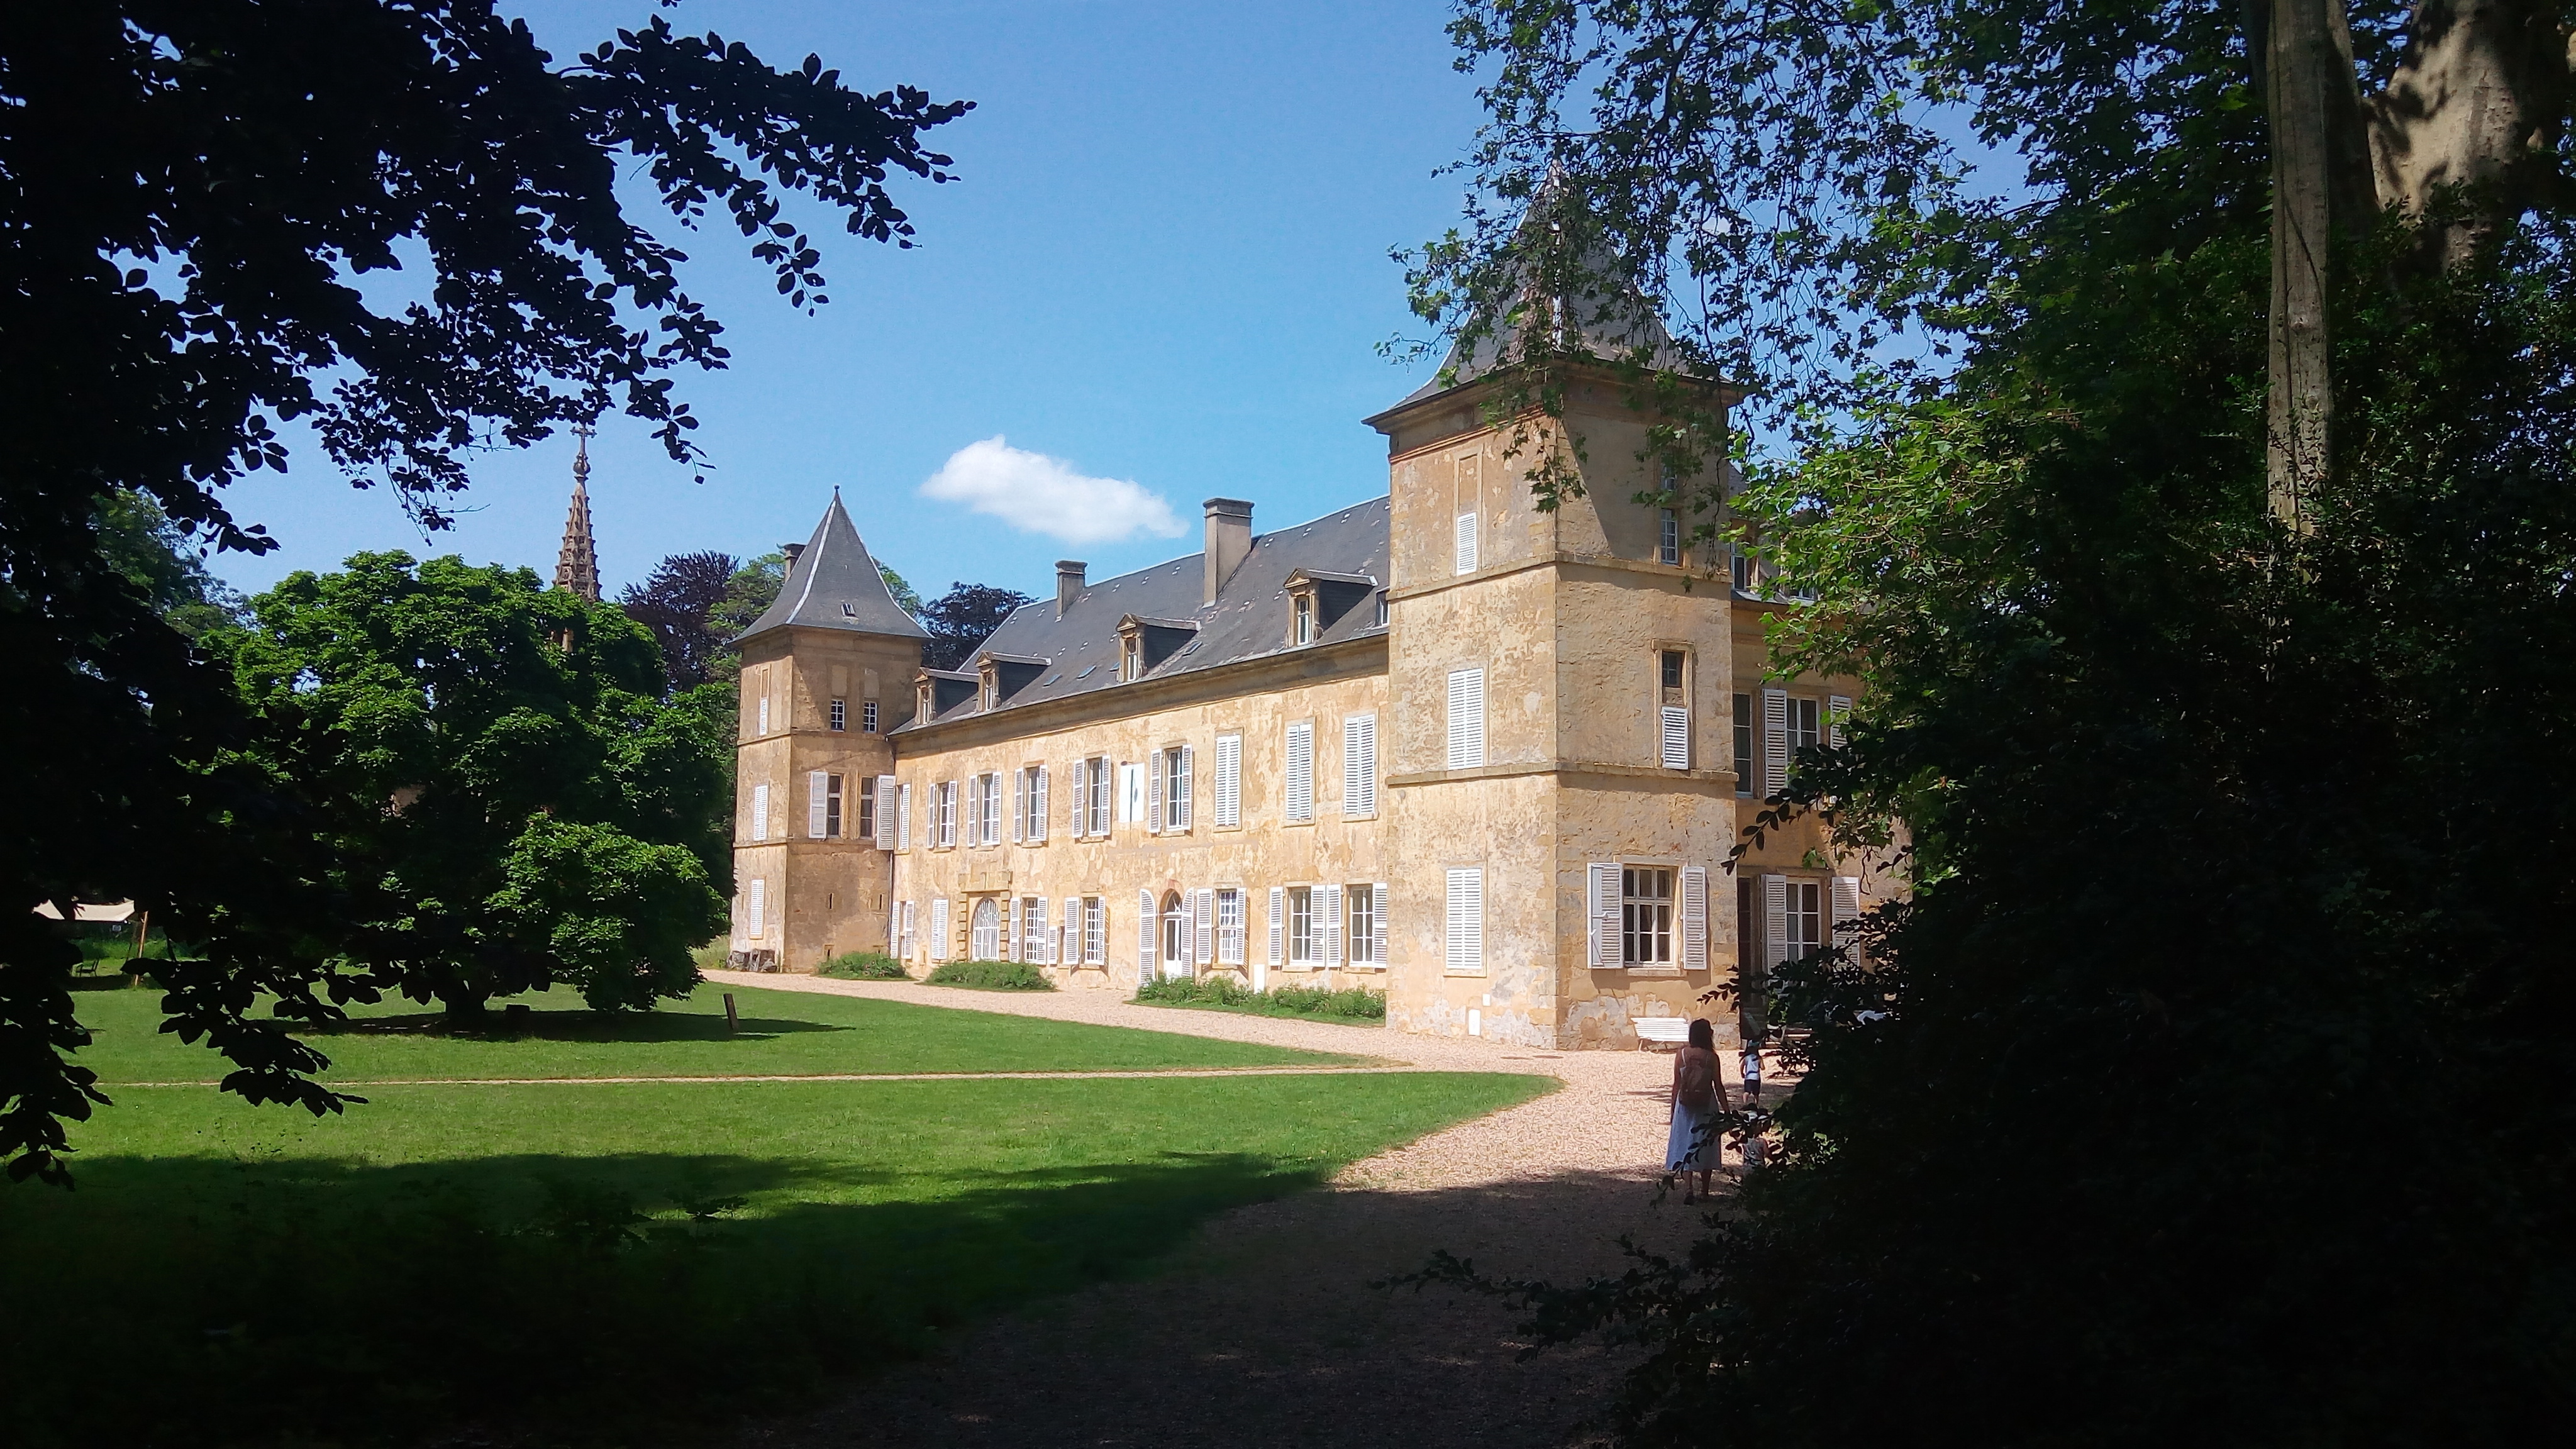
(1249,619)
(834,584)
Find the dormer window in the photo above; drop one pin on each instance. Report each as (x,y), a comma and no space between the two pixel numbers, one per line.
(1131,657)
(921,706)
(1317,601)
(1303,631)
(1143,643)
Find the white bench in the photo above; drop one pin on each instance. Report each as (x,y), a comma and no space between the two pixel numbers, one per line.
(1660,1031)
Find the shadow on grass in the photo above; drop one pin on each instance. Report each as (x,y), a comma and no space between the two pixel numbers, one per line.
(187,1301)
(574,1026)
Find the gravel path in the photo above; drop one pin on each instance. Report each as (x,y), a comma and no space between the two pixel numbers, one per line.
(1263,1329)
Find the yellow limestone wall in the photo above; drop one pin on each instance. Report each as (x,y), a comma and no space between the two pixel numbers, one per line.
(1258,700)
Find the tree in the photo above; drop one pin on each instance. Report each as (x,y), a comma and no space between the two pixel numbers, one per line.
(510,803)
(962,619)
(2203,1070)
(677,603)
(195,194)
(139,541)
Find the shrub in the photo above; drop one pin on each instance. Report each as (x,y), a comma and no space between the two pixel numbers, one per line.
(1224,993)
(990,976)
(863,966)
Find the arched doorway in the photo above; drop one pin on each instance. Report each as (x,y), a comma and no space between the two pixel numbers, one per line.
(1176,934)
(986,942)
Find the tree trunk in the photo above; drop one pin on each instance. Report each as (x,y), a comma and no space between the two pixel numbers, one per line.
(2479,98)
(2320,181)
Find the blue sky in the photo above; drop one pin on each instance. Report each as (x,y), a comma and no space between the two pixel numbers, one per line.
(1166,265)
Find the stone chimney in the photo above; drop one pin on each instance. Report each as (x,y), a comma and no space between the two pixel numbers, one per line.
(1069,574)
(1229,538)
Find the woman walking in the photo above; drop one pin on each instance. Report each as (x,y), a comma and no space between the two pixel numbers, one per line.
(1699,1094)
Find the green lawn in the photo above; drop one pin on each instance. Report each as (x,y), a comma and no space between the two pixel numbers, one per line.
(529,1254)
(784,1033)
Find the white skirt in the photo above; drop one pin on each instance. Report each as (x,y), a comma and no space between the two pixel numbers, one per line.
(1687,1150)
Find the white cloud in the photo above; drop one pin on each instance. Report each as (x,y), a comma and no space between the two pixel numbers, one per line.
(1039,494)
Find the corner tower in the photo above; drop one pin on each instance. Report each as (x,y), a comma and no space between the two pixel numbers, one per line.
(826,675)
(1560,776)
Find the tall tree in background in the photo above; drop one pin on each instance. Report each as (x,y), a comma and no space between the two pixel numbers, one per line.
(190,195)
(2200,514)
(677,603)
(962,619)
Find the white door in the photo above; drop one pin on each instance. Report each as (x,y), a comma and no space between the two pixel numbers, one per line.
(1177,935)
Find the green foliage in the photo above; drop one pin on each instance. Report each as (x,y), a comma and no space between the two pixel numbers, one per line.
(677,603)
(2222,1049)
(207,203)
(962,619)
(1223,993)
(863,966)
(513,802)
(990,976)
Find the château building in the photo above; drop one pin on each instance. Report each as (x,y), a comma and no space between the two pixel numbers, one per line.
(1487,758)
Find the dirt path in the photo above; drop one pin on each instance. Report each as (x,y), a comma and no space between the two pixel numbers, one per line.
(1262,1329)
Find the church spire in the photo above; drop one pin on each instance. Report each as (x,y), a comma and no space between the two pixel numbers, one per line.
(577,567)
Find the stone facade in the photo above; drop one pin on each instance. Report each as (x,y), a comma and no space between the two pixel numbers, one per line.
(1481,756)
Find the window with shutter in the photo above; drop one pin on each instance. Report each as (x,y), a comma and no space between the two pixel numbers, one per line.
(1676,738)
(814,805)
(1038,811)
(1465,543)
(1144,938)
(1100,788)
(1203,925)
(760,812)
(1466,920)
(1019,807)
(1775,920)
(1836,706)
(1744,744)
(755,900)
(1303,947)
(1694,918)
(906,937)
(1381,904)
(1278,924)
(1299,807)
(993,809)
(1775,741)
(1601,913)
(1668,537)
(1359,905)
(1095,930)
(1229,781)
(1229,927)
(939,939)
(1645,916)
(1466,718)
(1359,766)
(903,817)
(1846,904)
(885,822)
(1184,771)
(1154,793)
(1331,912)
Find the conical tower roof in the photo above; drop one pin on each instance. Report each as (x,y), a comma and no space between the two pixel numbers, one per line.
(577,566)
(834,584)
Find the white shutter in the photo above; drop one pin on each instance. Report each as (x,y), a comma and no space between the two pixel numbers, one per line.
(1775,920)
(1203,919)
(1041,930)
(764,711)
(1038,812)
(1380,900)
(885,812)
(1229,781)
(1466,718)
(1846,904)
(1836,706)
(1775,741)
(939,929)
(1359,765)
(1101,785)
(1466,933)
(1694,918)
(1601,909)
(760,812)
(1154,793)
(1278,924)
(1144,937)
(1676,737)
(993,809)
(1300,805)
(1465,541)
(1080,817)
(1069,944)
(817,783)
(1188,782)
(1019,806)
(1012,915)
(1331,905)
(903,818)
(905,938)
(755,899)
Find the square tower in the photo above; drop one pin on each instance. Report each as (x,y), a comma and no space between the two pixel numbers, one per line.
(826,676)
(1561,787)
